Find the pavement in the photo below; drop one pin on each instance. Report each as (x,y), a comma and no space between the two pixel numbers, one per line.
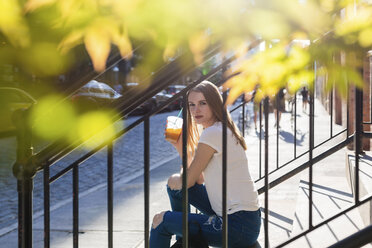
(128,163)
(128,214)
(285,200)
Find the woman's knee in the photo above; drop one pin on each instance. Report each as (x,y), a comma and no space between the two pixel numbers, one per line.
(173,181)
(158,219)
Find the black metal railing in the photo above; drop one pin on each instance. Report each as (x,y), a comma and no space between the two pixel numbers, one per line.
(361,236)
(27,164)
(52,154)
(355,138)
(266,222)
(296,155)
(358,239)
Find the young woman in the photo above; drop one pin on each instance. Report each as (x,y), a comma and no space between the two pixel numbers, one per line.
(205,180)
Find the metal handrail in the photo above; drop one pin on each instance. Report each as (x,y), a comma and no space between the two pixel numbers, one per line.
(356,138)
(325,222)
(305,165)
(131,126)
(261,189)
(53,154)
(27,165)
(357,239)
(130,101)
(241,105)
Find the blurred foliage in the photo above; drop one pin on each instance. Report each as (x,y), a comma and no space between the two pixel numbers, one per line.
(95,127)
(39,37)
(52,120)
(61,121)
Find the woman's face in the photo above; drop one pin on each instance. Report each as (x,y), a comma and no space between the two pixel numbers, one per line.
(200,110)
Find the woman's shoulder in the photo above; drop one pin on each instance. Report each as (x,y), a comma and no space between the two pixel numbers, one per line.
(216,127)
(213,130)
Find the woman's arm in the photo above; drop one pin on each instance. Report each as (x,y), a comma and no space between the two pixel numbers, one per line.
(178,146)
(203,155)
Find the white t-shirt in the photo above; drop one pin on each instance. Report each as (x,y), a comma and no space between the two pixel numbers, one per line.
(241,191)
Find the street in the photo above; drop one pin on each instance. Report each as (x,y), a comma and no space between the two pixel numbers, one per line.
(128,162)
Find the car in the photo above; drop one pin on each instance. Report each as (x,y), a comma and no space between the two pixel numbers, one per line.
(145,107)
(93,95)
(174,89)
(169,92)
(98,90)
(158,99)
(12,100)
(163,96)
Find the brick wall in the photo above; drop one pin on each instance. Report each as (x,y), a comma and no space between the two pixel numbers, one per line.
(366,104)
(337,107)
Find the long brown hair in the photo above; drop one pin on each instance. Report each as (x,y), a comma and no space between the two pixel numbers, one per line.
(215,102)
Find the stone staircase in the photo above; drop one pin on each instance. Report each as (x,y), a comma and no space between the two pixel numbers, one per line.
(365,181)
(289,204)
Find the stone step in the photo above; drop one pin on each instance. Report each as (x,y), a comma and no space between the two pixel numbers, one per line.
(365,181)
(282,203)
(331,195)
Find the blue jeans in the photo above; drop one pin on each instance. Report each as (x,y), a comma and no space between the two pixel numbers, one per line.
(243,226)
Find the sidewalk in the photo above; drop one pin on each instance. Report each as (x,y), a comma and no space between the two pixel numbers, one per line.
(129,196)
(128,214)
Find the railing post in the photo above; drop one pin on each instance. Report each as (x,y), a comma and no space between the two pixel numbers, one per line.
(295,126)
(224,174)
(110,193)
(46,207)
(24,172)
(277,128)
(185,198)
(243,117)
(331,109)
(311,147)
(348,113)
(75,205)
(266,223)
(358,137)
(147,178)
(25,187)
(260,143)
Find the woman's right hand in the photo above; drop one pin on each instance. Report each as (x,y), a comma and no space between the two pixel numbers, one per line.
(177,144)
